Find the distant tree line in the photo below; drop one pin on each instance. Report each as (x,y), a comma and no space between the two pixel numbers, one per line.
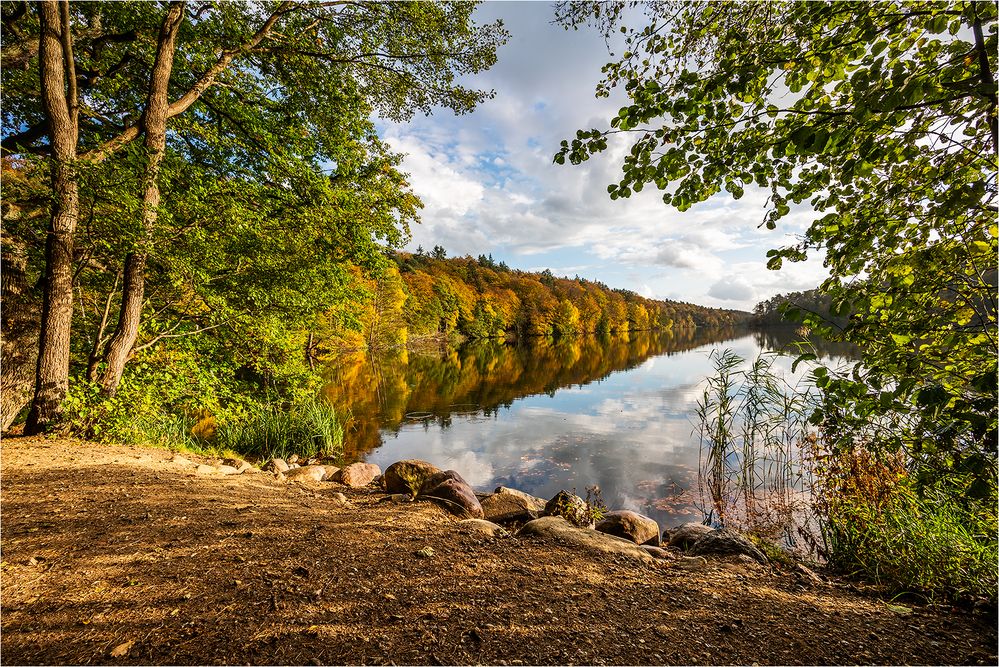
(786,309)
(430,295)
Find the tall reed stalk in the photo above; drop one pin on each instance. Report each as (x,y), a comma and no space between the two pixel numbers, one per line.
(752,426)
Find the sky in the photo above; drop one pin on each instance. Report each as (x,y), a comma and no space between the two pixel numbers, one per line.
(489,185)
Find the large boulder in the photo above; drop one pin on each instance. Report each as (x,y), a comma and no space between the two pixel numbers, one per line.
(357,474)
(508,508)
(558,529)
(450,490)
(306,473)
(407,476)
(533,502)
(633,526)
(725,542)
(686,535)
(570,507)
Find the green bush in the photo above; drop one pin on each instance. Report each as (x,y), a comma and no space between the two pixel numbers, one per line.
(934,544)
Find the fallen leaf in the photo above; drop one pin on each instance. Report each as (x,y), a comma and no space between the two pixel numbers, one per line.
(122,650)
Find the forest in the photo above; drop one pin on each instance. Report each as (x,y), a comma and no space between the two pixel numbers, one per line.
(430,296)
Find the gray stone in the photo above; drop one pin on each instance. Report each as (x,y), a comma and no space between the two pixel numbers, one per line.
(724,542)
(450,490)
(228,470)
(508,508)
(482,527)
(686,535)
(202,469)
(691,563)
(633,526)
(276,465)
(570,507)
(357,474)
(658,553)
(306,473)
(533,502)
(560,530)
(407,476)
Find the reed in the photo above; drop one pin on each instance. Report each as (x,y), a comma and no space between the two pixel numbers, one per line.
(752,425)
(266,431)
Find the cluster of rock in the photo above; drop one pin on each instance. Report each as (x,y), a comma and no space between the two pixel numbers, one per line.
(565,517)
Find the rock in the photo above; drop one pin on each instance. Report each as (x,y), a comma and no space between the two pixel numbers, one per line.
(181,461)
(686,535)
(398,498)
(633,526)
(249,470)
(276,465)
(339,498)
(482,527)
(307,473)
(570,507)
(293,459)
(407,476)
(357,474)
(657,552)
(426,552)
(202,469)
(292,466)
(691,563)
(535,503)
(809,573)
(725,542)
(331,471)
(228,470)
(557,528)
(508,508)
(279,476)
(453,493)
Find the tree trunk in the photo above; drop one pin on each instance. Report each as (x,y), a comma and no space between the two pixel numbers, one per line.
(154,121)
(18,333)
(58,82)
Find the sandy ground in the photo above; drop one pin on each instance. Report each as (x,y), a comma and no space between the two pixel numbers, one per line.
(117,555)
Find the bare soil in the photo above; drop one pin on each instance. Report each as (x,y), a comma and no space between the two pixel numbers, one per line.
(117,555)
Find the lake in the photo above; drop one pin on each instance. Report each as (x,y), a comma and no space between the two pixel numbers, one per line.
(615,412)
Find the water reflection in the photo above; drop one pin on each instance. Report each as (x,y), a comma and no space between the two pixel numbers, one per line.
(616,412)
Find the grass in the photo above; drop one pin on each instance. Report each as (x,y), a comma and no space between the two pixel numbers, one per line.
(263,431)
(309,429)
(877,526)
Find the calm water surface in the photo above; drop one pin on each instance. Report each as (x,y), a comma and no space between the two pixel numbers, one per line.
(614,412)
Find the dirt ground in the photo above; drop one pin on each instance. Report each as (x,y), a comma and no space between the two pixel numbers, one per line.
(117,555)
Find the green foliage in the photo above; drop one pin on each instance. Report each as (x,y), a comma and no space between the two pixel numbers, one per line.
(308,429)
(881,119)
(877,525)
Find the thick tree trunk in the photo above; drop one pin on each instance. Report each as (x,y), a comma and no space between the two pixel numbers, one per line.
(58,81)
(18,333)
(119,347)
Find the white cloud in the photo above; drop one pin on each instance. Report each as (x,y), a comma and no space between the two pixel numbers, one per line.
(489,185)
